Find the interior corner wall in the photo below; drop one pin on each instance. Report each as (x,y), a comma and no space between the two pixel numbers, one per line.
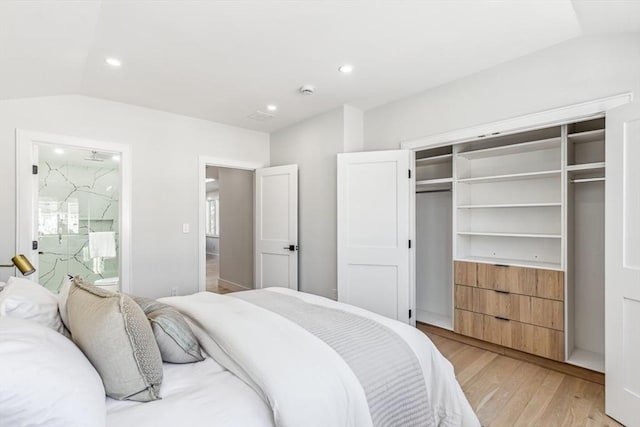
(313,144)
(236,226)
(578,70)
(164,156)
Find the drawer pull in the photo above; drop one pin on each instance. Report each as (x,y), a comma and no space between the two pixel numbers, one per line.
(502,318)
(502,292)
(501,265)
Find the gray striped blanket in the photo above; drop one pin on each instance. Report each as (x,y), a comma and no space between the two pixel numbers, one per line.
(383,362)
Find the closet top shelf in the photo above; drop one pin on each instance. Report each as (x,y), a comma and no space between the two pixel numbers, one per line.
(433,160)
(512,205)
(496,234)
(434,181)
(511,177)
(586,167)
(505,150)
(588,136)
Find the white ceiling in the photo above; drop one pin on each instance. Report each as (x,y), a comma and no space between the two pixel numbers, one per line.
(223,60)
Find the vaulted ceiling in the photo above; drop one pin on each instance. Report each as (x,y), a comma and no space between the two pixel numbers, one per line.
(224,60)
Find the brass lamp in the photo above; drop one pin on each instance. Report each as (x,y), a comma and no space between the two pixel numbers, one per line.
(21,263)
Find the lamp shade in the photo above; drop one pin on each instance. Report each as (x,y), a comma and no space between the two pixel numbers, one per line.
(22,263)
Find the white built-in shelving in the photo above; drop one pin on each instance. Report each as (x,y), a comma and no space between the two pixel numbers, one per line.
(509,200)
(532,199)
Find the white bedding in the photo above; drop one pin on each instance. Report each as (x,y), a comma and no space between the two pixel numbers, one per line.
(195,395)
(254,344)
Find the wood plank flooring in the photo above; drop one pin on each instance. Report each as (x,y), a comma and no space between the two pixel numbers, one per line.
(509,392)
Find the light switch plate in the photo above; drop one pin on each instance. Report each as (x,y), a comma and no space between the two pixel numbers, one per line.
(185,228)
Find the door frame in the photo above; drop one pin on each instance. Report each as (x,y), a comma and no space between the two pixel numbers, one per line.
(26,197)
(203,162)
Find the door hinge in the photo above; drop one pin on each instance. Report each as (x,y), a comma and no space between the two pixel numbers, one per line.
(409,243)
(410,313)
(34,245)
(409,173)
(34,169)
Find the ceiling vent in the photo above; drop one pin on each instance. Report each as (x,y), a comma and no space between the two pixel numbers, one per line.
(260,116)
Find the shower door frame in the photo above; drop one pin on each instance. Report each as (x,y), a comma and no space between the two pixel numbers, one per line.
(27,193)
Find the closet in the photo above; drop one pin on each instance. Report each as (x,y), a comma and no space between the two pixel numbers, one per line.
(509,236)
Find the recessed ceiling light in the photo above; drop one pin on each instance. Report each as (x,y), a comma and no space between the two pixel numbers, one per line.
(58,151)
(272,107)
(114,62)
(116,157)
(209,179)
(346,68)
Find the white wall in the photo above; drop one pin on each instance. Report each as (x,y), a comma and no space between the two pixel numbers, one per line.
(236,226)
(313,145)
(165,149)
(568,73)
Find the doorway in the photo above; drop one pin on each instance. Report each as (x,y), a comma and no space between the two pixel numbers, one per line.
(73,209)
(229,219)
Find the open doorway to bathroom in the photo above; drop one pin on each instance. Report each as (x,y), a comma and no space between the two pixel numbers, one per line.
(229,217)
(73,209)
(78,215)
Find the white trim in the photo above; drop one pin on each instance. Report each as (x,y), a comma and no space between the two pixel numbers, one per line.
(537,120)
(25,141)
(203,162)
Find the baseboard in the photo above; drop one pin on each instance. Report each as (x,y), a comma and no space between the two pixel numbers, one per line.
(565,368)
(232,285)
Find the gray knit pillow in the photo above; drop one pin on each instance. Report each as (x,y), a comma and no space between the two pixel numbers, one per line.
(115,335)
(175,338)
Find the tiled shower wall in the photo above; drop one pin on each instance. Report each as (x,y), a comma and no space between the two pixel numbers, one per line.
(75,199)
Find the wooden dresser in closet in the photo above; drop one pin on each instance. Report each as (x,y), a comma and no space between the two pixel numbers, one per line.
(516,307)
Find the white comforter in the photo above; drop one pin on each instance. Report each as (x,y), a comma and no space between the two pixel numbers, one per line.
(305,382)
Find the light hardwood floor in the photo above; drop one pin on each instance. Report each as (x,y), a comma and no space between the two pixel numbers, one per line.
(509,392)
(213,274)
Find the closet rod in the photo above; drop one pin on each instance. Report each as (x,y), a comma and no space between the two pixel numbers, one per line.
(578,181)
(432,191)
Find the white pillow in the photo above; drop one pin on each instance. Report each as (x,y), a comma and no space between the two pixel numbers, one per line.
(46,380)
(24,299)
(63,296)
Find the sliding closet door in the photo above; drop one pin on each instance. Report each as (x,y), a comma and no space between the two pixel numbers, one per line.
(374,190)
(622,265)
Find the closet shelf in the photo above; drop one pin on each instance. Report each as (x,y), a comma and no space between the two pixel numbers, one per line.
(586,167)
(587,359)
(512,205)
(433,160)
(442,321)
(505,150)
(434,181)
(512,262)
(511,177)
(493,234)
(588,136)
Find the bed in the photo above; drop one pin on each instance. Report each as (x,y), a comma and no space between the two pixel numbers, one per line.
(276,357)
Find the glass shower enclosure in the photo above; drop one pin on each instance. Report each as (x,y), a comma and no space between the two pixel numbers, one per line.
(77,215)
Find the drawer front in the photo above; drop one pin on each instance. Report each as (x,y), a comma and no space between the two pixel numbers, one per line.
(528,338)
(520,280)
(465,273)
(504,304)
(464,297)
(537,340)
(550,284)
(548,313)
(469,323)
(497,330)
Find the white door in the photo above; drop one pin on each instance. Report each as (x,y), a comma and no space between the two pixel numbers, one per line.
(622,265)
(276,255)
(374,196)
